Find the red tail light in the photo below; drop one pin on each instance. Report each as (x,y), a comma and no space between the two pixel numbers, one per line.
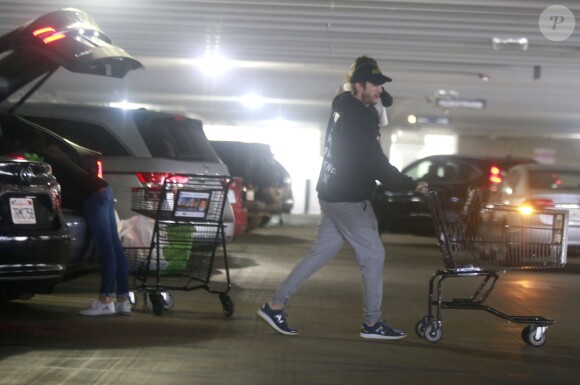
(540,203)
(235,192)
(157,178)
(533,205)
(48,34)
(100,169)
(495,175)
(15,156)
(54,191)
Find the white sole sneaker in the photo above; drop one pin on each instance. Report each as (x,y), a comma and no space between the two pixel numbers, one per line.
(97,308)
(123,308)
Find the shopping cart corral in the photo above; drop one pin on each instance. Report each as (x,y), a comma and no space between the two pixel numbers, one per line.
(188,244)
(481,240)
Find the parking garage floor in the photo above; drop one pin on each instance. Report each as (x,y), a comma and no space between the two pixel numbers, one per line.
(44,341)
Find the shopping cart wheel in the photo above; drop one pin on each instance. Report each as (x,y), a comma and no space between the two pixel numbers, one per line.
(168,300)
(228,305)
(433,333)
(132,299)
(421,326)
(157,303)
(534,335)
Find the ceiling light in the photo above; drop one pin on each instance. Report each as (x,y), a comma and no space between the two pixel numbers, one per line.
(412,119)
(125,105)
(446,93)
(252,101)
(214,64)
(516,43)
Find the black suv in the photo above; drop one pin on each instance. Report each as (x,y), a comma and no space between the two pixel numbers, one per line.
(406,212)
(32,222)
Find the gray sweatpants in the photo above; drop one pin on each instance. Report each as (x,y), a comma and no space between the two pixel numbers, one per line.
(354,222)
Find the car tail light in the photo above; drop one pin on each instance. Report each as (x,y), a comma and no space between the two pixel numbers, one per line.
(48,34)
(16,156)
(235,192)
(54,191)
(157,178)
(533,205)
(100,169)
(495,175)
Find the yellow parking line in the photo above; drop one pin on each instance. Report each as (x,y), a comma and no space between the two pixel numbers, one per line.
(56,298)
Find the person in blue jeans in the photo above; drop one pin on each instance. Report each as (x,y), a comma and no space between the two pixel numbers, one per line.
(352,162)
(82,190)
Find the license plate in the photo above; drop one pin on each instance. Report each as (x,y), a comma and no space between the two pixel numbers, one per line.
(22,210)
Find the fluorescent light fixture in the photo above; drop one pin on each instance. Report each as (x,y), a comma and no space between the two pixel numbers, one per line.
(477,104)
(446,93)
(214,64)
(433,120)
(125,105)
(517,43)
(252,101)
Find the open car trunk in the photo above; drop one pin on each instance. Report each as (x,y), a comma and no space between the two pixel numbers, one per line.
(69,38)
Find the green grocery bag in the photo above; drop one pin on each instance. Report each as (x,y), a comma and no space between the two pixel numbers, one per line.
(179,246)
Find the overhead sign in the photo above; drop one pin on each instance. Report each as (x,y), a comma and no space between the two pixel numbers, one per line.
(477,104)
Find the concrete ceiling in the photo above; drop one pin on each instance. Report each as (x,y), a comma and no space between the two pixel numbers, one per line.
(296,53)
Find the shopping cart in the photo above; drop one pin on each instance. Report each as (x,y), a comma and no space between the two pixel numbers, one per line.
(188,235)
(478,240)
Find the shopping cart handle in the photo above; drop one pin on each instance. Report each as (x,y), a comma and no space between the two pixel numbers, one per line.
(422,187)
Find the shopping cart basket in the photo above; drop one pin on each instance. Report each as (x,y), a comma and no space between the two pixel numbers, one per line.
(478,240)
(188,235)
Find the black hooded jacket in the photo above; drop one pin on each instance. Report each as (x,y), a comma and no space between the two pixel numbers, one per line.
(353,159)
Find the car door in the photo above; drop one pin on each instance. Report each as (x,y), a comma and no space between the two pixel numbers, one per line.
(408,211)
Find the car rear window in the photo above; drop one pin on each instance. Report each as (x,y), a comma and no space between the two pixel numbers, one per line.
(555,179)
(86,134)
(175,138)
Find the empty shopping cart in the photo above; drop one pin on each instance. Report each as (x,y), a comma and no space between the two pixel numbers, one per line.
(480,240)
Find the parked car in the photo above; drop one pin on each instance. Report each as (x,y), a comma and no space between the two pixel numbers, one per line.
(541,186)
(267,184)
(35,239)
(406,212)
(139,147)
(71,39)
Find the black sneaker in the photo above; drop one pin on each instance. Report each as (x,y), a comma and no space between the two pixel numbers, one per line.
(277,320)
(381,331)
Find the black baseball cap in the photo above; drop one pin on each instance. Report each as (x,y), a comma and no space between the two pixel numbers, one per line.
(369,73)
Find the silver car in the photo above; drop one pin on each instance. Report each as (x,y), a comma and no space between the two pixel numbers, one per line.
(540,186)
(139,147)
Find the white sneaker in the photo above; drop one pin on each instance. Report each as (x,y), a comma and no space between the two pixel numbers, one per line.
(123,308)
(98,308)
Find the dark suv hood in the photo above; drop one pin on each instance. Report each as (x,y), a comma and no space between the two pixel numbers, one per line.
(69,38)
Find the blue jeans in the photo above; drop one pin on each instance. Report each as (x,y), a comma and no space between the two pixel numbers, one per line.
(355,223)
(99,210)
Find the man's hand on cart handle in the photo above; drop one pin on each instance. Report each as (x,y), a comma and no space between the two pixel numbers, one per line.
(422,187)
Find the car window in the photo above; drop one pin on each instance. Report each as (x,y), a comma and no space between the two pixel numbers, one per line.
(442,171)
(29,141)
(555,179)
(86,134)
(175,138)
(422,170)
